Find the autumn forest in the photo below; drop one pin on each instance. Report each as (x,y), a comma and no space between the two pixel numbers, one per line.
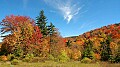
(34,40)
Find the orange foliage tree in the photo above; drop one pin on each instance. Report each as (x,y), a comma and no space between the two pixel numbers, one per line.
(24,34)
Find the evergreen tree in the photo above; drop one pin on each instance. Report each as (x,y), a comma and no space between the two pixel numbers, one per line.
(88,50)
(69,43)
(41,22)
(51,29)
(106,51)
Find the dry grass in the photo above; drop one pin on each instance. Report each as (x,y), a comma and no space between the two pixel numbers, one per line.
(56,64)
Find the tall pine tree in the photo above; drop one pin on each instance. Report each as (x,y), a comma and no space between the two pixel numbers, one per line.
(51,29)
(41,22)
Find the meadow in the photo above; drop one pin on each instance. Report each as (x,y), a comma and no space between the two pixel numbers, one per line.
(57,64)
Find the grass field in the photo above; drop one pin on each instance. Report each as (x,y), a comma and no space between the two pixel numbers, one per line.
(56,64)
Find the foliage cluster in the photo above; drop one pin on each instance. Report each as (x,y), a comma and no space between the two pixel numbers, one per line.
(36,41)
(101,44)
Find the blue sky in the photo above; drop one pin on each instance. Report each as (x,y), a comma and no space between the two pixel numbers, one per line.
(71,17)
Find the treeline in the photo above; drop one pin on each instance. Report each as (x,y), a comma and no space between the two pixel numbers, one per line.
(29,38)
(102,44)
(36,40)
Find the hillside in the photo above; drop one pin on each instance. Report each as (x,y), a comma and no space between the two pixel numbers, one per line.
(104,42)
(112,31)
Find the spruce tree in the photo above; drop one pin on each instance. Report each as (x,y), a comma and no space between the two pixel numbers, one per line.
(51,29)
(41,23)
(53,35)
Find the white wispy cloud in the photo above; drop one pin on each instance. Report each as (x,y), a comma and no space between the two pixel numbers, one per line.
(67,8)
(69,12)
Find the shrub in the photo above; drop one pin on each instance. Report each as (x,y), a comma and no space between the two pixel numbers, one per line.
(30,56)
(3,58)
(86,60)
(18,52)
(15,62)
(26,59)
(117,59)
(10,57)
(112,59)
(76,55)
(51,57)
(97,56)
(63,57)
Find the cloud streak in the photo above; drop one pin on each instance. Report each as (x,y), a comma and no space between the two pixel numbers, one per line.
(67,8)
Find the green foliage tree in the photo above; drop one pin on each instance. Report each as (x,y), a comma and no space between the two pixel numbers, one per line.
(41,23)
(105,49)
(117,58)
(63,57)
(88,51)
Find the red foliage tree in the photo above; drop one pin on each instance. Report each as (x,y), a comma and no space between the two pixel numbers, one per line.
(23,31)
